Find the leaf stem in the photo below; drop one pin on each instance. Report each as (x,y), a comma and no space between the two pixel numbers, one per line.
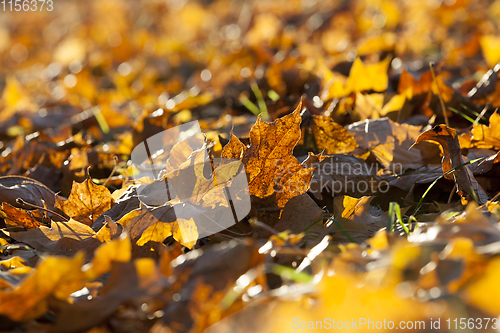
(22,202)
(431,65)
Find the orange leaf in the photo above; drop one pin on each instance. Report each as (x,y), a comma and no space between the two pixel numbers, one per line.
(18,217)
(86,202)
(452,157)
(269,162)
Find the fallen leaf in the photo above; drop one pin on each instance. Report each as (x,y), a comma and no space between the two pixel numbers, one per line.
(452,158)
(389,142)
(156,224)
(299,213)
(485,137)
(17,217)
(118,250)
(62,238)
(53,275)
(127,282)
(372,105)
(29,190)
(344,174)
(359,219)
(86,202)
(109,231)
(269,163)
(362,77)
(490,45)
(330,137)
(218,267)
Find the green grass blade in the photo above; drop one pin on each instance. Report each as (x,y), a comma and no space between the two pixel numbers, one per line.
(463,115)
(438,178)
(390,222)
(341,227)
(289,273)
(400,218)
(273,95)
(249,105)
(260,99)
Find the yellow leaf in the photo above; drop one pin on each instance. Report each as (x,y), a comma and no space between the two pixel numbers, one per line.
(116,250)
(14,98)
(62,238)
(13,262)
(185,232)
(484,292)
(18,217)
(490,45)
(363,77)
(110,230)
(384,42)
(72,49)
(486,137)
(53,275)
(269,163)
(155,233)
(86,202)
(154,225)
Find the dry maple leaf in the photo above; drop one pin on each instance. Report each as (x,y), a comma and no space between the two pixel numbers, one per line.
(127,282)
(371,106)
(53,275)
(155,224)
(30,190)
(388,141)
(486,137)
(447,138)
(269,162)
(63,238)
(18,217)
(412,87)
(197,206)
(341,174)
(362,77)
(358,218)
(86,202)
(330,137)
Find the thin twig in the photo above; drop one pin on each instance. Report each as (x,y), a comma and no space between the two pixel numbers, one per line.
(22,202)
(439,95)
(115,160)
(495,197)
(452,192)
(265,227)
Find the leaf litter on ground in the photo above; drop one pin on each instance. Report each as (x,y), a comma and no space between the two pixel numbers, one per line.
(345,220)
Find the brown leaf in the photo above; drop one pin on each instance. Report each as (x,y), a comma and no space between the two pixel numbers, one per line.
(344,174)
(234,148)
(299,213)
(358,218)
(452,158)
(269,162)
(331,137)
(63,238)
(388,141)
(17,217)
(110,230)
(218,268)
(30,190)
(86,202)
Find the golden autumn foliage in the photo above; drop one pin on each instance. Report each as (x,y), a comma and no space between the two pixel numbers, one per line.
(249,166)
